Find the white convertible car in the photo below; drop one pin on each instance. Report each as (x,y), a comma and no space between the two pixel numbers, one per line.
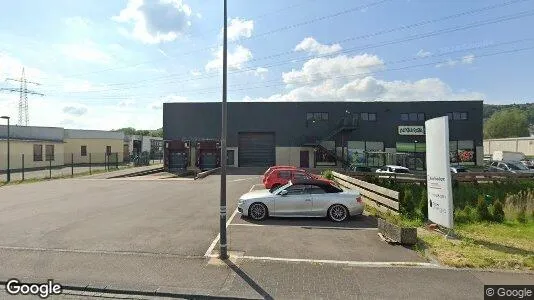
(303,198)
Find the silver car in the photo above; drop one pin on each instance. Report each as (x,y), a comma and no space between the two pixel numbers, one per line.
(305,198)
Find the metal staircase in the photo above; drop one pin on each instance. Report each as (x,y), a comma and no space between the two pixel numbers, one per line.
(311,141)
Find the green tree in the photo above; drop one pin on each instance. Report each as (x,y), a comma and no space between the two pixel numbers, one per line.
(507,123)
(127,130)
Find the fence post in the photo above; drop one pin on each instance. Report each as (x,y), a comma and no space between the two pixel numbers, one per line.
(106,158)
(22,166)
(117,161)
(90,164)
(72,165)
(50,169)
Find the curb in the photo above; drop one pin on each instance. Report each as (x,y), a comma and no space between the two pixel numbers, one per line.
(206,173)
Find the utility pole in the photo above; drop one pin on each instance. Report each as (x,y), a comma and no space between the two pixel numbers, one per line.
(223,253)
(24,117)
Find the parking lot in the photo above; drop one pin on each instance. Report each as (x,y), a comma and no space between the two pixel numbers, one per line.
(155,234)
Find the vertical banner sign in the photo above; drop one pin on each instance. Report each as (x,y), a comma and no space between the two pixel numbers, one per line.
(439,187)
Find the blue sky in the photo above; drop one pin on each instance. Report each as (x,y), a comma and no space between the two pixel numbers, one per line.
(110,64)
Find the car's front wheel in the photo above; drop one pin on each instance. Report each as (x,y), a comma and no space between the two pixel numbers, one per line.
(338,213)
(257,211)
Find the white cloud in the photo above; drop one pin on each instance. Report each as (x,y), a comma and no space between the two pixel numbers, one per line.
(77,86)
(85,51)
(240,28)
(11,67)
(310,45)
(195,73)
(77,22)
(341,65)
(158,105)
(126,103)
(261,72)
(74,109)
(468,59)
(163,53)
(155,21)
(236,59)
(423,53)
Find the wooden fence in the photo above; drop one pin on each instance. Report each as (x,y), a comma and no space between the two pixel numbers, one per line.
(381,198)
(480,177)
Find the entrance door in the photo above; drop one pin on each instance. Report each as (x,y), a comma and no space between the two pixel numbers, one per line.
(304,159)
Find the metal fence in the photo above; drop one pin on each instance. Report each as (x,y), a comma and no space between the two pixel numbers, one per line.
(57,165)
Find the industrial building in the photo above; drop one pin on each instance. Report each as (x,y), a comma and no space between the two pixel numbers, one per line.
(326,134)
(519,144)
(39,147)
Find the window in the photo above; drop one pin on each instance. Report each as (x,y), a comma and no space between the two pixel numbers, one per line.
(284,174)
(316,116)
(463,116)
(413,116)
(404,117)
(108,149)
(83,150)
(355,118)
(309,116)
(49,152)
(300,175)
(365,116)
(450,116)
(37,152)
(315,189)
(456,116)
(372,117)
(230,157)
(324,116)
(420,117)
(297,189)
(324,158)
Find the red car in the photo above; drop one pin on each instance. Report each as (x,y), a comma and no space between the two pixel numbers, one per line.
(281,176)
(274,168)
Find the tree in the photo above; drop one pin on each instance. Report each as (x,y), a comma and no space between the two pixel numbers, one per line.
(127,130)
(507,123)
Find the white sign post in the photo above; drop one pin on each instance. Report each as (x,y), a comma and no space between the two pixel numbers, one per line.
(439,186)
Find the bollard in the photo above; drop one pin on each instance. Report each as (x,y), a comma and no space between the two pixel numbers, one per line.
(23,167)
(72,165)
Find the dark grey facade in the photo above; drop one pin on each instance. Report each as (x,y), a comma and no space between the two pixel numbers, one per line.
(297,124)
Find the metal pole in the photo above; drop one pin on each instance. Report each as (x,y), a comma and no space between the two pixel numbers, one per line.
(72,165)
(50,169)
(223,246)
(23,167)
(90,164)
(8,154)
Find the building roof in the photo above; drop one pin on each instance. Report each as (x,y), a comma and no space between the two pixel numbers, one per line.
(32,133)
(93,134)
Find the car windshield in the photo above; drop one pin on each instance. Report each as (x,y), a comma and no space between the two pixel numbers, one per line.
(276,190)
(517,166)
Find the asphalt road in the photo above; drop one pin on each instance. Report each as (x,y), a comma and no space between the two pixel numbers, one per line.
(146,236)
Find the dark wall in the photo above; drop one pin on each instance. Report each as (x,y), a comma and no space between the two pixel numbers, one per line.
(288,120)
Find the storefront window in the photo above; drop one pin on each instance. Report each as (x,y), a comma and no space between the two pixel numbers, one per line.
(323,158)
(462,152)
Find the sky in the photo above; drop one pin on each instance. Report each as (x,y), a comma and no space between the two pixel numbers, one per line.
(111,64)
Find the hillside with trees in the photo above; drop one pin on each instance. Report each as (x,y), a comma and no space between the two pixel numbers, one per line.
(513,120)
(133,131)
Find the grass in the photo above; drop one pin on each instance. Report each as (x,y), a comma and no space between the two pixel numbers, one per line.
(484,245)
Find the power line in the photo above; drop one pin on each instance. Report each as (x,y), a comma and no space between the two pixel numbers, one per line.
(215,46)
(211,90)
(24,117)
(349,50)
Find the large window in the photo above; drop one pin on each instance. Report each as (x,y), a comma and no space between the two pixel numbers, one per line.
(323,158)
(458,116)
(83,150)
(230,157)
(108,150)
(316,116)
(49,152)
(462,152)
(37,152)
(413,116)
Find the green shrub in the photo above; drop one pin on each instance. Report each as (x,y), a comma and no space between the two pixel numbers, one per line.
(482,211)
(521,216)
(461,216)
(328,174)
(423,204)
(497,212)
(407,204)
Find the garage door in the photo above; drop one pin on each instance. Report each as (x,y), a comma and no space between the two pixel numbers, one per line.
(256,149)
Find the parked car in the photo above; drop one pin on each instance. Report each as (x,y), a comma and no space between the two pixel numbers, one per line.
(268,171)
(509,166)
(281,176)
(528,163)
(391,169)
(458,169)
(302,198)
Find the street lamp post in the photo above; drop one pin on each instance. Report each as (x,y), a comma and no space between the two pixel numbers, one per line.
(8,174)
(222,220)
(414,155)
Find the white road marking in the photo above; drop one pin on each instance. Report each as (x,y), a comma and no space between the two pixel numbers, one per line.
(253,186)
(218,237)
(242,179)
(304,226)
(343,262)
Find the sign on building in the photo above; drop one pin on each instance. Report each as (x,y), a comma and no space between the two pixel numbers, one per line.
(411,130)
(439,187)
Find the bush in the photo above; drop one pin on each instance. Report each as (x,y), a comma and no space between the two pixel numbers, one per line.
(407,205)
(482,212)
(328,174)
(460,216)
(423,204)
(521,216)
(497,213)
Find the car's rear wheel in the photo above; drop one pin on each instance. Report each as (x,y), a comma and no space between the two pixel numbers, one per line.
(338,213)
(257,211)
